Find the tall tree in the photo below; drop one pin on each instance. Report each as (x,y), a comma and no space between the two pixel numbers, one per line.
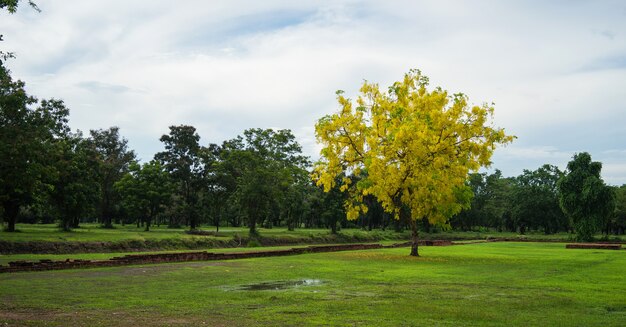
(76,188)
(619,219)
(182,159)
(27,130)
(267,166)
(490,203)
(536,200)
(114,159)
(417,147)
(145,190)
(584,197)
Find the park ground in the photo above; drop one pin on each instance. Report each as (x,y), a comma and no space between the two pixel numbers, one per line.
(42,241)
(482,284)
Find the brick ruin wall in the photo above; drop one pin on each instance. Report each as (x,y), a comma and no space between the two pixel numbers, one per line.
(601,246)
(138,259)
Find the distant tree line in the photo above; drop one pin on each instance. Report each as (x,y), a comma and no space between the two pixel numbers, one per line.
(260,178)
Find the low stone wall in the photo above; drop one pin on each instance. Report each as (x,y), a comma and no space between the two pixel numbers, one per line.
(601,246)
(139,259)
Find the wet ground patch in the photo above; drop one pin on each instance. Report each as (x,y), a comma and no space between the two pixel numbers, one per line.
(279,285)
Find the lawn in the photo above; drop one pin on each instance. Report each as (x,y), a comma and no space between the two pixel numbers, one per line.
(489,284)
(94,233)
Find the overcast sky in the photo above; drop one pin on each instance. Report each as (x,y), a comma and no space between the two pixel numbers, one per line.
(556,70)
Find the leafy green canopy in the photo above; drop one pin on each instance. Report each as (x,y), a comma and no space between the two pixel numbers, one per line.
(584,197)
(28,131)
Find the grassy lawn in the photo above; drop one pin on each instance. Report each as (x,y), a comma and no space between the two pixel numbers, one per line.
(5,259)
(93,233)
(489,284)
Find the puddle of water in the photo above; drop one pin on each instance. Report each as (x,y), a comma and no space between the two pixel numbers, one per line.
(280,285)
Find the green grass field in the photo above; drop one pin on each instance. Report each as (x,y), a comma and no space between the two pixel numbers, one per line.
(93,233)
(489,284)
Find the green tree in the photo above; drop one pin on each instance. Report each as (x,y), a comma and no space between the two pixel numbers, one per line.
(145,191)
(267,166)
(182,159)
(114,158)
(619,219)
(76,188)
(490,204)
(332,208)
(536,200)
(416,146)
(584,197)
(28,128)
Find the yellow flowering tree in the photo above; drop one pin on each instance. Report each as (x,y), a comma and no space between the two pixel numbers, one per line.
(413,148)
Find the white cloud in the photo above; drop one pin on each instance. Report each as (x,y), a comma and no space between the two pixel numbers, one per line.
(556,71)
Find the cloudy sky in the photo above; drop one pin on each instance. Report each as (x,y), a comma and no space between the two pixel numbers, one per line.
(556,70)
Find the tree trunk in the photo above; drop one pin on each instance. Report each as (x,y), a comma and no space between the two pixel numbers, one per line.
(414,239)
(253,231)
(11,210)
(148,220)
(333,227)
(290,222)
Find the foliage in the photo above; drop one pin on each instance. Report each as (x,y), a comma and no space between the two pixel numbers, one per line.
(182,159)
(145,190)
(114,158)
(268,169)
(11,5)
(76,189)
(28,130)
(535,200)
(619,219)
(584,197)
(490,202)
(415,146)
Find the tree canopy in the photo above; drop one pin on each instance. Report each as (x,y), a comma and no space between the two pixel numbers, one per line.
(415,145)
(182,159)
(584,197)
(28,131)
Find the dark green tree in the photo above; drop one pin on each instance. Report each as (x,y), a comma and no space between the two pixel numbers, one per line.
(332,209)
(618,224)
(182,159)
(114,158)
(584,197)
(220,183)
(490,202)
(145,191)
(536,201)
(28,128)
(267,166)
(76,188)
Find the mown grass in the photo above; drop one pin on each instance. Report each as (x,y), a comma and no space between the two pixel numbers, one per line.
(94,233)
(489,284)
(5,259)
(47,239)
